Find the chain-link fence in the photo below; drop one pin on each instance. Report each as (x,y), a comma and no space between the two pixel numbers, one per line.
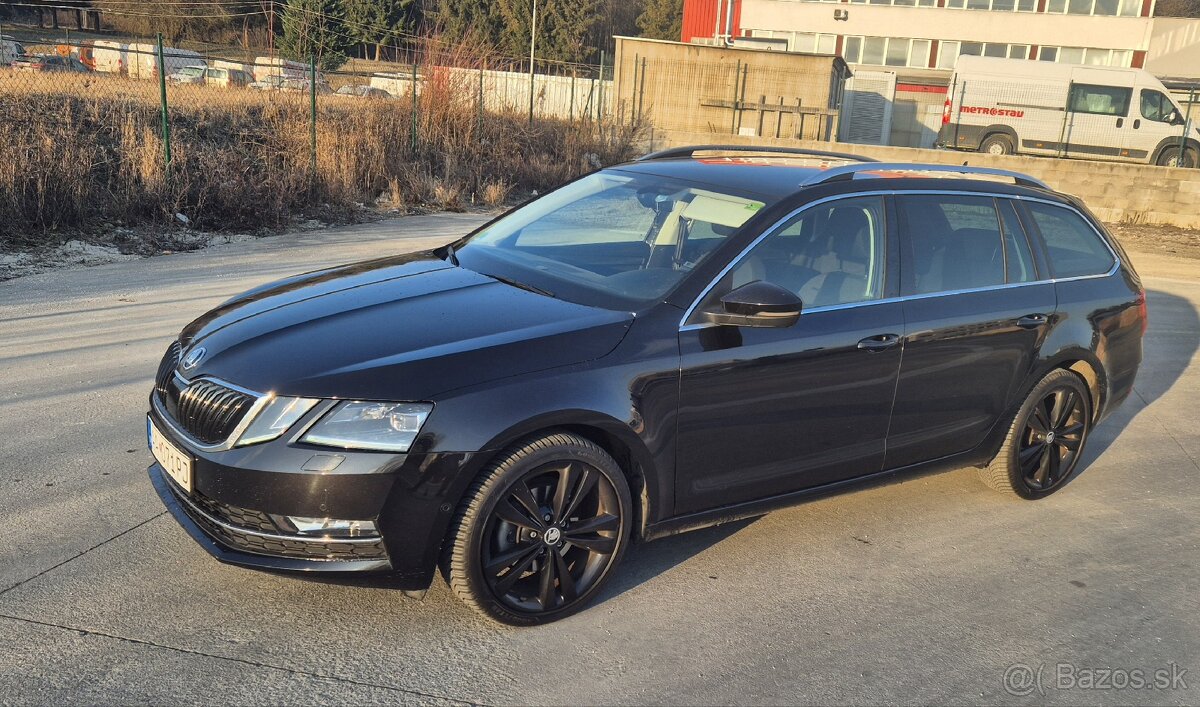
(1108,120)
(227,138)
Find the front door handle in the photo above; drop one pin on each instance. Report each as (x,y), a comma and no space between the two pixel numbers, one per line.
(1137,123)
(1032,321)
(879,342)
(1121,122)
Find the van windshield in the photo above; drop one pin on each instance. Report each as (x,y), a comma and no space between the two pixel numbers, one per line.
(192,71)
(612,239)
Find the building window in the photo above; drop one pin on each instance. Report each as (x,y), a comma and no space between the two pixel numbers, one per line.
(948,52)
(1092,57)
(996,5)
(904,3)
(887,51)
(806,42)
(1110,8)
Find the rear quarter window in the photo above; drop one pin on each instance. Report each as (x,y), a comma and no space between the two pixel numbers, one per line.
(1074,247)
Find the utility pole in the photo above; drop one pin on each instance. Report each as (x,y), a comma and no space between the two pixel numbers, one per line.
(532,46)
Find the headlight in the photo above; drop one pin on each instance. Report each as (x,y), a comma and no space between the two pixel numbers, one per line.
(389,427)
(274,419)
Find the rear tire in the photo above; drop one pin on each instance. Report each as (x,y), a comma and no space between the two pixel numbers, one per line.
(540,532)
(997,144)
(1170,157)
(1041,452)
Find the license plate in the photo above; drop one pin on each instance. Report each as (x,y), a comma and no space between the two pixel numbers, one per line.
(174,460)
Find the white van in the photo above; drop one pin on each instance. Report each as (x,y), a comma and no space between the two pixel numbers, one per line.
(110,57)
(143,60)
(267,66)
(1006,106)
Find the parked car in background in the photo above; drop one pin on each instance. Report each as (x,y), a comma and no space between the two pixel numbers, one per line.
(658,346)
(302,86)
(268,83)
(50,63)
(188,75)
(10,50)
(1014,106)
(110,57)
(363,92)
(266,67)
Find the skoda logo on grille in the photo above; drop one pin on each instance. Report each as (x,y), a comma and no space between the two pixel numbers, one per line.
(193,358)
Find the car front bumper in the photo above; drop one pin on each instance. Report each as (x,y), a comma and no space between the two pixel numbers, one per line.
(235,493)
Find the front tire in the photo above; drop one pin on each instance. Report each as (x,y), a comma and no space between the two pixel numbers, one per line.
(1170,157)
(1041,453)
(540,532)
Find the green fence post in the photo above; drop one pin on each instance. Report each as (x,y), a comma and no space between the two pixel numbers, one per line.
(162,93)
(312,100)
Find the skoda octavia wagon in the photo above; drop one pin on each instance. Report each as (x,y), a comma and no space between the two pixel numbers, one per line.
(701,335)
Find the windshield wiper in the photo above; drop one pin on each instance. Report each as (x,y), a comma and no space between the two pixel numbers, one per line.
(451,256)
(522,285)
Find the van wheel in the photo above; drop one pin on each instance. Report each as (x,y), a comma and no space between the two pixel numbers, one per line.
(1170,158)
(997,144)
(1041,452)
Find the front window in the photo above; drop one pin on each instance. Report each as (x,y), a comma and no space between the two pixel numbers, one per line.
(1157,107)
(611,239)
(191,71)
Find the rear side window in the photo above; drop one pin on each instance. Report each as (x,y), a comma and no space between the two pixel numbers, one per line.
(1018,259)
(1074,247)
(954,243)
(1100,100)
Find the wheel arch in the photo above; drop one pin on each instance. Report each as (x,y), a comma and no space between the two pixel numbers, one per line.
(1190,143)
(1082,363)
(1001,129)
(616,438)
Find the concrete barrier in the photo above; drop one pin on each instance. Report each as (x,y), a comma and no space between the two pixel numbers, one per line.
(1116,192)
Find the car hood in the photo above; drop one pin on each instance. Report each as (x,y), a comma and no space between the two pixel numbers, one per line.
(406,328)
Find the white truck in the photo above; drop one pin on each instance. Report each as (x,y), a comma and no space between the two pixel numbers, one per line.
(143,60)
(1018,106)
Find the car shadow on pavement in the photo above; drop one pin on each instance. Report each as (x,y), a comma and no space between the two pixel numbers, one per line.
(1167,349)
(647,560)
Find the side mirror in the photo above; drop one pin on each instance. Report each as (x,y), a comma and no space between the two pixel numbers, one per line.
(757,304)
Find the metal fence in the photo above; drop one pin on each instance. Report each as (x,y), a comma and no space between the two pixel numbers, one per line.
(216,77)
(1069,119)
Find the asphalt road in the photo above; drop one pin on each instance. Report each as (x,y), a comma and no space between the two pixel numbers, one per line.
(922,591)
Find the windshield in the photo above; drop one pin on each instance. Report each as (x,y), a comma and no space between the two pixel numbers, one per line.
(610,239)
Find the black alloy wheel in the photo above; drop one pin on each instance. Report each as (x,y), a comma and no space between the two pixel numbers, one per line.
(541,531)
(1052,438)
(1046,439)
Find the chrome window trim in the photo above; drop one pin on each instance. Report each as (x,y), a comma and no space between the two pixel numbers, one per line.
(260,401)
(778,225)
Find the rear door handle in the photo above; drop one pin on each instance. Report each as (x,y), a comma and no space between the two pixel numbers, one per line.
(1121,122)
(1137,123)
(879,342)
(1032,321)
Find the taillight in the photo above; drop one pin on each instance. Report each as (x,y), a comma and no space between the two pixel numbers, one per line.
(946,112)
(1143,313)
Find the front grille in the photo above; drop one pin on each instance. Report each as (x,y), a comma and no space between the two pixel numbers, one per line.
(205,409)
(206,512)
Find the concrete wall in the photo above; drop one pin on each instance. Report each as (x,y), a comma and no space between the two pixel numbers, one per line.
(1116,192)
(693,87)
(1042,29)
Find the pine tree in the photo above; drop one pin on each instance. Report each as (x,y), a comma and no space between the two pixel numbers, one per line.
(315,28)
(373,22)
(662,19)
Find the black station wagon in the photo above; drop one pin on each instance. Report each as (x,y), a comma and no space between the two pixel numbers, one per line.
(704,334)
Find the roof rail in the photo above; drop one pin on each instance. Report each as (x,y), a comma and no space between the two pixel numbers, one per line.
(850,170)
(800,151)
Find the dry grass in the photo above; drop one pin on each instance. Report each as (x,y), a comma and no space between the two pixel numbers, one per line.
(80,150)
